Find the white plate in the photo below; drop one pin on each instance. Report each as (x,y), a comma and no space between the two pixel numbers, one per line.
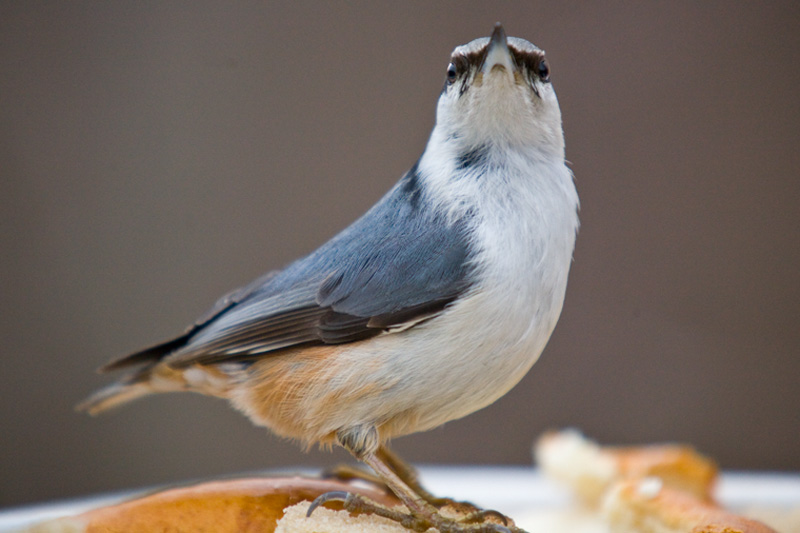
(515,491)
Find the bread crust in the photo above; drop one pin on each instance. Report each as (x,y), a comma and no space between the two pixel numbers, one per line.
(590,469)
(242,505)
(647,506)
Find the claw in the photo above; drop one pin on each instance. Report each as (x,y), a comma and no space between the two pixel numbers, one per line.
(322,499)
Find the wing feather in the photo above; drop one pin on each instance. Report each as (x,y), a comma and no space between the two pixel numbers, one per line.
(395,267)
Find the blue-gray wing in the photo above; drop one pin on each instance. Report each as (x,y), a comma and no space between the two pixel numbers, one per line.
(399,264)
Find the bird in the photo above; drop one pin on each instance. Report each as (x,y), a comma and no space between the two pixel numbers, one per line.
(430,306)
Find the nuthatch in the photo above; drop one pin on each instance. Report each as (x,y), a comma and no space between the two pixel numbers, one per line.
(432,305)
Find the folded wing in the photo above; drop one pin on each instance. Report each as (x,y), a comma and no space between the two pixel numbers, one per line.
(396,266)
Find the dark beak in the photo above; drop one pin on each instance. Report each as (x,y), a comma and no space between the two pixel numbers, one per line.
(498,37)
(498,53)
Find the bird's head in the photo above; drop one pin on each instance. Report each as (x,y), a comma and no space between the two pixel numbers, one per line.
(497,91)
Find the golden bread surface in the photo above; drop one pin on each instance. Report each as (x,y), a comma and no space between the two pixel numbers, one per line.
(589,469)
(648,506)
(240,505)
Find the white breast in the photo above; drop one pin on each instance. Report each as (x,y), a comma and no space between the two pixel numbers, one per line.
(525,221)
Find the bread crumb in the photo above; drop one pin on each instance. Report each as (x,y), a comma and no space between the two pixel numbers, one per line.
(649,487)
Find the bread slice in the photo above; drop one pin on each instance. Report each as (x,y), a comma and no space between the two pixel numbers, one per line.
(648,506)
(233,506)
(589,469)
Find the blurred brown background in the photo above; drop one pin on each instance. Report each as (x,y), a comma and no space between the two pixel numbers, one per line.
(154,155)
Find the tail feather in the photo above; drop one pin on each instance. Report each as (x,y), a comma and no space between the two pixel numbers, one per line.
(149,355)
(156,379)
(114,395)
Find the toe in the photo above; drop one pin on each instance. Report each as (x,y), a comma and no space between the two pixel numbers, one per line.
(322,499)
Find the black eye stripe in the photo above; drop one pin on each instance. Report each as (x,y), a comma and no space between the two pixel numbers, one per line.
(533,61)
(527,59)
(530,62)
(477,57)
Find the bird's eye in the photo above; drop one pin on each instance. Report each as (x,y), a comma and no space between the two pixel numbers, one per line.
(451,73)
(543,70)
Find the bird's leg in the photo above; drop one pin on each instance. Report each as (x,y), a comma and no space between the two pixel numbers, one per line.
(345,472)
(422,515)
(409,475)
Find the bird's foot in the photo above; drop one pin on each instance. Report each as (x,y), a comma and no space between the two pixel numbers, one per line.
(475,521)
(347,473)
